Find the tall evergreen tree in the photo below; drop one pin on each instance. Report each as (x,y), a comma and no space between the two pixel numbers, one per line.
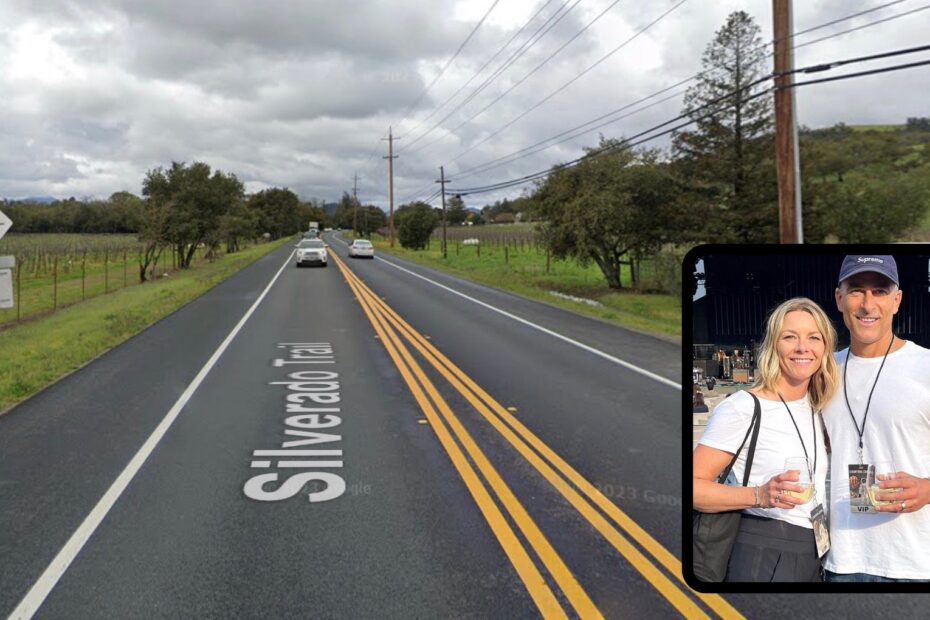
(729,156)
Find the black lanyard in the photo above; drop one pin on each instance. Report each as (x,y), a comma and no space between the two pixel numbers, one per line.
(861,431)
(798,431)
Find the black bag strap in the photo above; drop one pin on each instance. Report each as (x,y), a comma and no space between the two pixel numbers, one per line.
(754,426)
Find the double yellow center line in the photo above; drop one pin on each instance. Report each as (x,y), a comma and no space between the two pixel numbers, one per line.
(578,491)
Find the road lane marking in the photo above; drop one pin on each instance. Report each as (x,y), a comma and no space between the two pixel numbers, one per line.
(552,561)
(640,562)
(40,590)
(535,584)
(581,345)
(666,588)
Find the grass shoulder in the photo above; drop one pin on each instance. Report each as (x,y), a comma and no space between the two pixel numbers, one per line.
(39,352)
(522,270)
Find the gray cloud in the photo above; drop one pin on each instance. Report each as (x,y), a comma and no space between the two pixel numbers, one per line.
(96,92)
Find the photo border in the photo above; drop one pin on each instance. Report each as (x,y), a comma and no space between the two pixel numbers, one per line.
(688,268)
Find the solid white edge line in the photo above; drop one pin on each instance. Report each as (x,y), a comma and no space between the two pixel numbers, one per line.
(43,586)
(581,345)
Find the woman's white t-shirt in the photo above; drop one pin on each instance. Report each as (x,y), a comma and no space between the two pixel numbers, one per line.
(778,441)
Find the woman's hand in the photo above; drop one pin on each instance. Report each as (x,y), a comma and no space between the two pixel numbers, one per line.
(772,493)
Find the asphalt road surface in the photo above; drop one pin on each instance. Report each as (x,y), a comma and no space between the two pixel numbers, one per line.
(369,440)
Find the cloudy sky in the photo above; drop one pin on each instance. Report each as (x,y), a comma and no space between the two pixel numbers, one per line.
(300,94)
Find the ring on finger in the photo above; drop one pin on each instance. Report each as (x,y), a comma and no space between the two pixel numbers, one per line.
(903,506)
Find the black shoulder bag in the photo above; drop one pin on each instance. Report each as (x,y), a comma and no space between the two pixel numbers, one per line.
(714,533)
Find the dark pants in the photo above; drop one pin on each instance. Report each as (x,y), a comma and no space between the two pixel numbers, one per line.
(768,550)
(866,578)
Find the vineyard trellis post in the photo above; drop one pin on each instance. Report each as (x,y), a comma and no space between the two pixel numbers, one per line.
(55,283)
(83,274)
(106,271)
(19,290)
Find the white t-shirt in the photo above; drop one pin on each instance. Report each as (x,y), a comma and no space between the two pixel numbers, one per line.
(778,440)
(897,428)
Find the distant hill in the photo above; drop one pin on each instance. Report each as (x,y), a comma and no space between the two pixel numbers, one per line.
(34,199)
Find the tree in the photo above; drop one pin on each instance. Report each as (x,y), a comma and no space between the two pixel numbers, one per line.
(153,233)
(614,206)
(279,212)
(313,212)
(415,223)
(195,201)
(729,156)
(238,224)
(370,219)
(456,213)
(346,214)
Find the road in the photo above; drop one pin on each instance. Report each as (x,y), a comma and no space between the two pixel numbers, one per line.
(372,439)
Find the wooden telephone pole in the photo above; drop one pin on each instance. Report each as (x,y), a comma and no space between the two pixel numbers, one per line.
(391,157)
(355,206)
(442,181)
(787,158)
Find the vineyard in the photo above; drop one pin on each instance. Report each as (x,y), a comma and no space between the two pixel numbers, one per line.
(57,270)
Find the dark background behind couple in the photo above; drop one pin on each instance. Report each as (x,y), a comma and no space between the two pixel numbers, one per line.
(741,290)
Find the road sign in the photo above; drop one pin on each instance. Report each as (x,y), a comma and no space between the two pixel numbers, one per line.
(5,224)
(6,279)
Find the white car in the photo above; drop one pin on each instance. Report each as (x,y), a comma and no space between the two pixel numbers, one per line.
(361,247)
(311,252)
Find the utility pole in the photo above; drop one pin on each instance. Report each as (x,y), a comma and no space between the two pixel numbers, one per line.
(787,158)
(442,181)
(391,157)
(355,207)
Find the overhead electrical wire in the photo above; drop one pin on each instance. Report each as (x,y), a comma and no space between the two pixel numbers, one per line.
(486,166)
(484,66)
(577,77)
(531,72)
(534,38)
(530,150)
(629,143)
(449,62)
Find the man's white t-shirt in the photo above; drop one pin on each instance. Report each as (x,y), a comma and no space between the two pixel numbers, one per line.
(898,429)
(778,441)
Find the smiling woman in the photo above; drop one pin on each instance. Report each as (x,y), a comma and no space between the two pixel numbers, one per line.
(785,464)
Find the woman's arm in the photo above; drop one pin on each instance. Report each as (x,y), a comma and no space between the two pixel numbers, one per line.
(709,496)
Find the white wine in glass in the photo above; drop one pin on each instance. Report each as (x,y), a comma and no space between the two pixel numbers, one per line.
(884,470)
(800,464)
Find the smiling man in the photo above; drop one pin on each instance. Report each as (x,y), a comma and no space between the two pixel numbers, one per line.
(881,413)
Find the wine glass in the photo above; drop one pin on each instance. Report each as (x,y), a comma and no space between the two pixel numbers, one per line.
(881,471)
(801,465)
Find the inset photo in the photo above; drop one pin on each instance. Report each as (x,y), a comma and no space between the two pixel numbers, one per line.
(807,456)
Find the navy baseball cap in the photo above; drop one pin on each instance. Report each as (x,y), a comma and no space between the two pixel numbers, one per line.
(884,265)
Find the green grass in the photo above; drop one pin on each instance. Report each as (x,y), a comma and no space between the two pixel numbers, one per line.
(525,273)
(877,127)
(38,295)
(36,353)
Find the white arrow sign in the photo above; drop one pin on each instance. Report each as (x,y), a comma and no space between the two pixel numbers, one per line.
(5,224)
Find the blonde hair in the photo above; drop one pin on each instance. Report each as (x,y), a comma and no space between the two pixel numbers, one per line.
(824,381)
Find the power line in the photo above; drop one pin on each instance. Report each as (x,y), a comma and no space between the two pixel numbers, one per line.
(485,65)
(449,62)
(530,150)
(534,70)
(628,143)
(534,38)
(868,25)
(571,81)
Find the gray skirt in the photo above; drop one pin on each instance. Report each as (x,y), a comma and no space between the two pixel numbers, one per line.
(768,550)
